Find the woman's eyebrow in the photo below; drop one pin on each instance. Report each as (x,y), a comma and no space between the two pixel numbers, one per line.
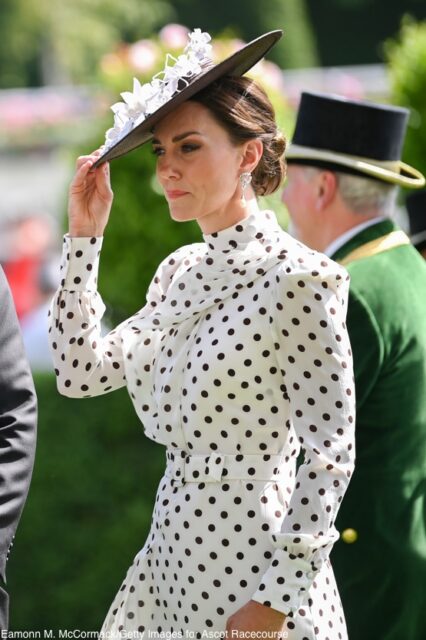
(179,137)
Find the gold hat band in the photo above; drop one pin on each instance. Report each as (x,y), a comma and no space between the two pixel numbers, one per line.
(389,171)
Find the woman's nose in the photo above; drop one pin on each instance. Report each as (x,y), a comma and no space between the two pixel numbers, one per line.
(167,169)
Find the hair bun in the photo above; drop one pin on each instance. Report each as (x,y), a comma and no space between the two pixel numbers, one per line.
(279,143)
(270,171)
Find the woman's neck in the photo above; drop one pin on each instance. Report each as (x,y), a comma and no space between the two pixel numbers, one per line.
(234,213)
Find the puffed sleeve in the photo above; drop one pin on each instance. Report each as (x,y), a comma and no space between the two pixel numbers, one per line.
(313,350)
(87,363)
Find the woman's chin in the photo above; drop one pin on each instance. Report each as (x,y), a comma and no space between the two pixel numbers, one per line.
(179,214)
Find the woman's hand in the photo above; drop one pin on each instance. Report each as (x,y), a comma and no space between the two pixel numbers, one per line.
(254,616)
(90,197)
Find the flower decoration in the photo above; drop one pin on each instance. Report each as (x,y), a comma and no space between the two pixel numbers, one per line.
(147,98)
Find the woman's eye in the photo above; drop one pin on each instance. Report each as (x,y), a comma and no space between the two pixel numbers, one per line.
(187,148)
(157,151)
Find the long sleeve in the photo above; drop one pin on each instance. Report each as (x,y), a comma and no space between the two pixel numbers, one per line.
(87,363)
(18,423)
(308,323)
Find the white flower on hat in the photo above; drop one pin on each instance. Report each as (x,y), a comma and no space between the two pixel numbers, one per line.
(147,98)
(198,44)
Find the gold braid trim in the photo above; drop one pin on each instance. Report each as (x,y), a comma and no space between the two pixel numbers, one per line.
(384,243)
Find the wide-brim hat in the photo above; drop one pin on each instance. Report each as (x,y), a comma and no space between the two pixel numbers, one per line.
(190,74)
(416,209)
(357,137)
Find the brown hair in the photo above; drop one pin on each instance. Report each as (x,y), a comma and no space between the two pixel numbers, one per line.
(242,107)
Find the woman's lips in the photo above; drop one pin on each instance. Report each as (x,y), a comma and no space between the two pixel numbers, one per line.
(172,195)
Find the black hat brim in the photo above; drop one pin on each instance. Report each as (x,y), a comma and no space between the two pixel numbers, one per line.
(236,65)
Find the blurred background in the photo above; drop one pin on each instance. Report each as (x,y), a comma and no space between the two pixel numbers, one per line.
(62,63)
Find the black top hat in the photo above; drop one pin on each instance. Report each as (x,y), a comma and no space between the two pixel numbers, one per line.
(189,75)
(353,137)
(416,209)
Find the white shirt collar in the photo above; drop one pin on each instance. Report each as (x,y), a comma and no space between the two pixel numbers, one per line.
(351,233)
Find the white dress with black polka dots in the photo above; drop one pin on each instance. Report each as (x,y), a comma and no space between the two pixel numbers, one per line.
(239,360)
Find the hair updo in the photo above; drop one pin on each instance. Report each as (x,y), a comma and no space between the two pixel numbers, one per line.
(242,107)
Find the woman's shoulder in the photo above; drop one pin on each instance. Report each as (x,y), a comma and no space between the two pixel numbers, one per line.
(179,260)
(307,266)
(185,254)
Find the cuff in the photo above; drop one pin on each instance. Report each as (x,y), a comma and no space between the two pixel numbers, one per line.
(285,584)
(80,263)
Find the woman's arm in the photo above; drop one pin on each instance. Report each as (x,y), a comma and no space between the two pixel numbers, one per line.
(86,364)
(314,353)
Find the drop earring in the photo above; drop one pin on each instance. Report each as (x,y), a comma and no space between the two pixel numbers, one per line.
(245,179)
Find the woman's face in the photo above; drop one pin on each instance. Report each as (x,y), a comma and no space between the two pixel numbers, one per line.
(198,167)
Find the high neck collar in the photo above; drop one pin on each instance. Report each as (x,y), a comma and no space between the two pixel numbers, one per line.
(256,227)
(215,269)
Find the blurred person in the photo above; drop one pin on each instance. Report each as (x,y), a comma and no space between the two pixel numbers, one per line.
(416,210)
(18,423)
(216,364)
(344,169)
(35,323)
(28,238)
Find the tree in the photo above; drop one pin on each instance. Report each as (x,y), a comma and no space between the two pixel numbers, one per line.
(407,68)
(350,32)
(250,18)
(58,41)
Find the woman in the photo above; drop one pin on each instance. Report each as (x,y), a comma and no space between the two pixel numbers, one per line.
(239,358)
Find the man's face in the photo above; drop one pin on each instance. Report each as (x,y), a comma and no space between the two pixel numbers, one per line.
(299,197)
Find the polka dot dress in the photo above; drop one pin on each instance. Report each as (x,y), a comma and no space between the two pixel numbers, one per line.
(238,363)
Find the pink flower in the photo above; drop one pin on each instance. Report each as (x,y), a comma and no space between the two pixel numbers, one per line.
(174,36)
(143,55)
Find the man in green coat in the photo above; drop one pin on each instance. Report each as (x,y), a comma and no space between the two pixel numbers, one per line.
(343,173)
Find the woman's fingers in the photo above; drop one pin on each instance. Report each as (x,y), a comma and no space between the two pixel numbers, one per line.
(83,159)
(103,181)
(82,173)
(90,197)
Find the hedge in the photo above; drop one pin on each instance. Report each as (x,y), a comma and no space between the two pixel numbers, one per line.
(88,512)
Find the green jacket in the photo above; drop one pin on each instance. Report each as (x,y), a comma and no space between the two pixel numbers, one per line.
(382,575)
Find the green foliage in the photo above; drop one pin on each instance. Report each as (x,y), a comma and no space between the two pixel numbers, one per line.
(18,42)
(297,49)
(248,19)
(351,32)
(407,68)
(88,511)
(56,42)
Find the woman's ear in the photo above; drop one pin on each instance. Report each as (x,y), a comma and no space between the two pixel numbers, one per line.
(252,151)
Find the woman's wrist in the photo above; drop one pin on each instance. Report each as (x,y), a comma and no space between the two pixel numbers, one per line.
(85,233)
